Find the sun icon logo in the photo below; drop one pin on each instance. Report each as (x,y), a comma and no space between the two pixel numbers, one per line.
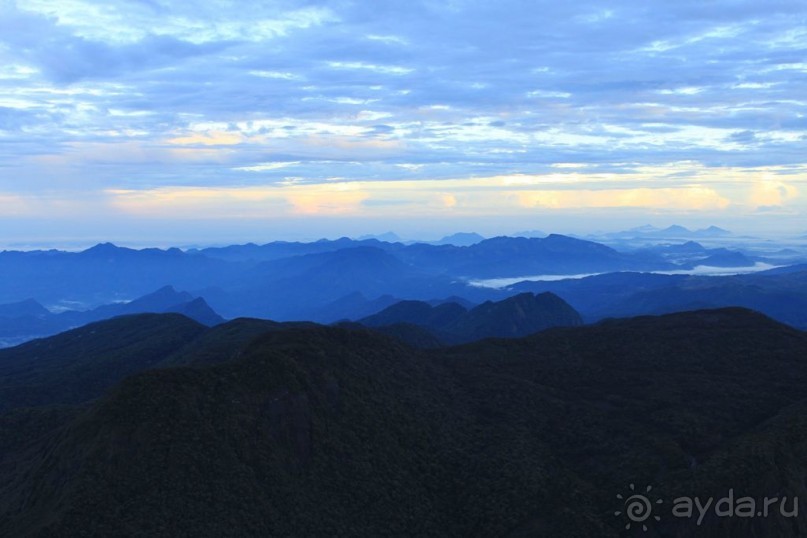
(637,507)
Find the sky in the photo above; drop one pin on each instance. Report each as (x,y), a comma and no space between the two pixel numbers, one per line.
(180,122)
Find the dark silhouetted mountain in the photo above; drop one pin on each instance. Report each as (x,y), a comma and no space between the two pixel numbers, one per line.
(80,364)
(352,306)
(416,336)
(513,317)
(417,313)
(330,431)
(453,299)
(461,239)
(516,316)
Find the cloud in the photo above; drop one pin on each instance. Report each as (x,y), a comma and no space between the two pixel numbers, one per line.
(768,192)
(692,198)
(128,95)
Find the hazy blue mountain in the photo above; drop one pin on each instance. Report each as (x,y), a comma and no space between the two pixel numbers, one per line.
(389,237)
(530,233)
(27,308)
(322,281)
(519,256)
(779,294)
(712,231)
(277,250)
(164,300)
(798,268)
(724,258)
(104,273)
(306,287)
(198,310)
(674,231)
(461,239)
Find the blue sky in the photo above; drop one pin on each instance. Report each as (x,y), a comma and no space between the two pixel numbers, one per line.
(158,121)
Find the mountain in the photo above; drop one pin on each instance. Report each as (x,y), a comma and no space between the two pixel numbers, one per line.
(781,294)
(389,237)
(530,233)
(500,257)
(78,365)
(324,281)
(712,231)
(104,274)
(45,323)
(417,313)
(292,280)
(461,239)
(322,431)
(515,316)
(674,231)
(27,308)
(352,306)
(276,250)
(197,310)
(725,258)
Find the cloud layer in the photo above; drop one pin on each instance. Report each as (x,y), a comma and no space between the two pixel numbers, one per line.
(362,109)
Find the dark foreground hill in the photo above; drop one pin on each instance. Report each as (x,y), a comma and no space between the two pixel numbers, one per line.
(323,431)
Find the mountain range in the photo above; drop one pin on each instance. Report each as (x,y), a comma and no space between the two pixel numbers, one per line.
(166,427)
(451,322)
(29,319)
(327,281)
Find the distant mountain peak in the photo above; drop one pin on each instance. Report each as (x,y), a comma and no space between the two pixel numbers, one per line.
(530,233)
(461,239)
(102,248)
(713,231)
(388,237)
(646,228)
